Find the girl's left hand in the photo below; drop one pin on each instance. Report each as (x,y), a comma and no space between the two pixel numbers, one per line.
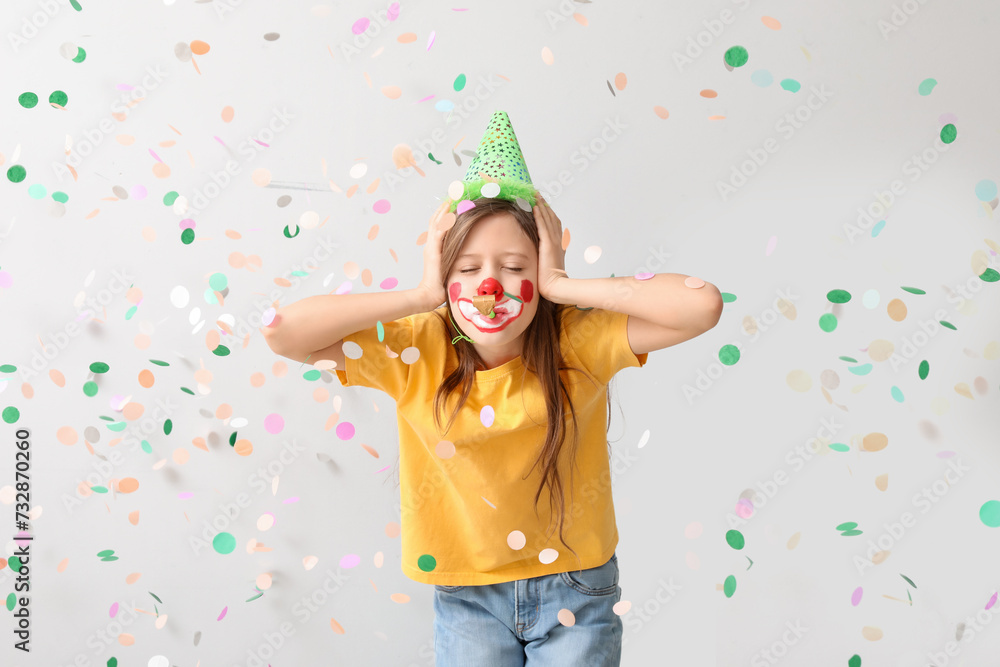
(551,256)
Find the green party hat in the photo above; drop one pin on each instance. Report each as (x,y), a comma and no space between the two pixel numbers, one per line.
(499,157)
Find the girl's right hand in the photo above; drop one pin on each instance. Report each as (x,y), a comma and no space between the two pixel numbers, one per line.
(441,221)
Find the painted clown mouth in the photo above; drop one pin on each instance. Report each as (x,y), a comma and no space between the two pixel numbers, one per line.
(504,310)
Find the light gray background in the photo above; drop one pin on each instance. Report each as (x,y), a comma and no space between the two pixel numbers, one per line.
(651,192)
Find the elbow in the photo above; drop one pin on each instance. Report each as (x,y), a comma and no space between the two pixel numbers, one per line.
(713,311)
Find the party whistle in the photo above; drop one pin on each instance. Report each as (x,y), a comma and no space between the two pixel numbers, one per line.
(484,304)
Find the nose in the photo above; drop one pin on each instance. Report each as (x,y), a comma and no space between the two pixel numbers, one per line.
(490,286)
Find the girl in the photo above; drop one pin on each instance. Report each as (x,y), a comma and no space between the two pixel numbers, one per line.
(518,358)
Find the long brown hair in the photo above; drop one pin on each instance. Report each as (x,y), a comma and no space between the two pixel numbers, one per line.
(540,354)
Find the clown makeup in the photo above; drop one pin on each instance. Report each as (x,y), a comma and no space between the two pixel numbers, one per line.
(507,307)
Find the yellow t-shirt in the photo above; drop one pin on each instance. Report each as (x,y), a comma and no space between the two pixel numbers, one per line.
(461,493)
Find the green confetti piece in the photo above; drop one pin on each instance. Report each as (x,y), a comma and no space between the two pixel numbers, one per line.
(735,539)
(946,323)
(949,133)
(232,439)
(117,427)
(187,391)
(58,97)
(221,351)
(112,662)
(168,426)
(27,100)
(850,525)
(288,234)
(863,369)
(828,322)
(896,393)
(727,297)
(99,367)
(926,86)
(76,5)
(224,543)
(914,290)
(11,601)
(791,85)
(11,414)
(839,447)
(170,198)
(60,196)
(990,276)
(729,587)
(989,513)
(854,661)
(851,533)
(434,159)
(848,359)
(16,174)
(37,191)
(187,236)
(14,563)
(729,354)
(146,447)
(908,580)
(99,489)
(154,597)
(427,563)
(106,552)
(312,375)
(923,369)
(8,368)
(838,296)
(109,559)
(158,362)
(380,330)
(90,388)
(254,597)
(459,82)
(130,312)
(736,56)
(81,55)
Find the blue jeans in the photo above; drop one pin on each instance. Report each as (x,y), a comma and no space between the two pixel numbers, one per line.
(515,623)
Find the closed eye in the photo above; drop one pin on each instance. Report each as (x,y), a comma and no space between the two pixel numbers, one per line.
(509,268)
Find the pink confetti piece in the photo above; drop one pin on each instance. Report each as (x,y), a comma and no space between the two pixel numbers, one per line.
(464,206)
(274,423)
(772,243)
(856,597)
(993,601)
(184,495)
(360,25)
(349,561)
(644,275)
(223,614)
(381,206)
(382,469)
(186,223)
(114,610)
(389,283)
(430,40)
(138,192)
(288,501)
(429,97)
(262,143)
(744,508)
(345,430)
(155,156)
(393,12)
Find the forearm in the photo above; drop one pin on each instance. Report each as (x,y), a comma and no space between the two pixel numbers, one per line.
(663,299)
(317,322)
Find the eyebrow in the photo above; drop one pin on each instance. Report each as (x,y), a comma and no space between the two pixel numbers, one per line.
(506,254)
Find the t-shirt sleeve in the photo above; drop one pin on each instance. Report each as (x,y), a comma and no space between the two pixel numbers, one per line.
(370,362)
(600,340)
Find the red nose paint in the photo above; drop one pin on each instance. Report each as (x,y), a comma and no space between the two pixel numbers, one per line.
(490,286)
